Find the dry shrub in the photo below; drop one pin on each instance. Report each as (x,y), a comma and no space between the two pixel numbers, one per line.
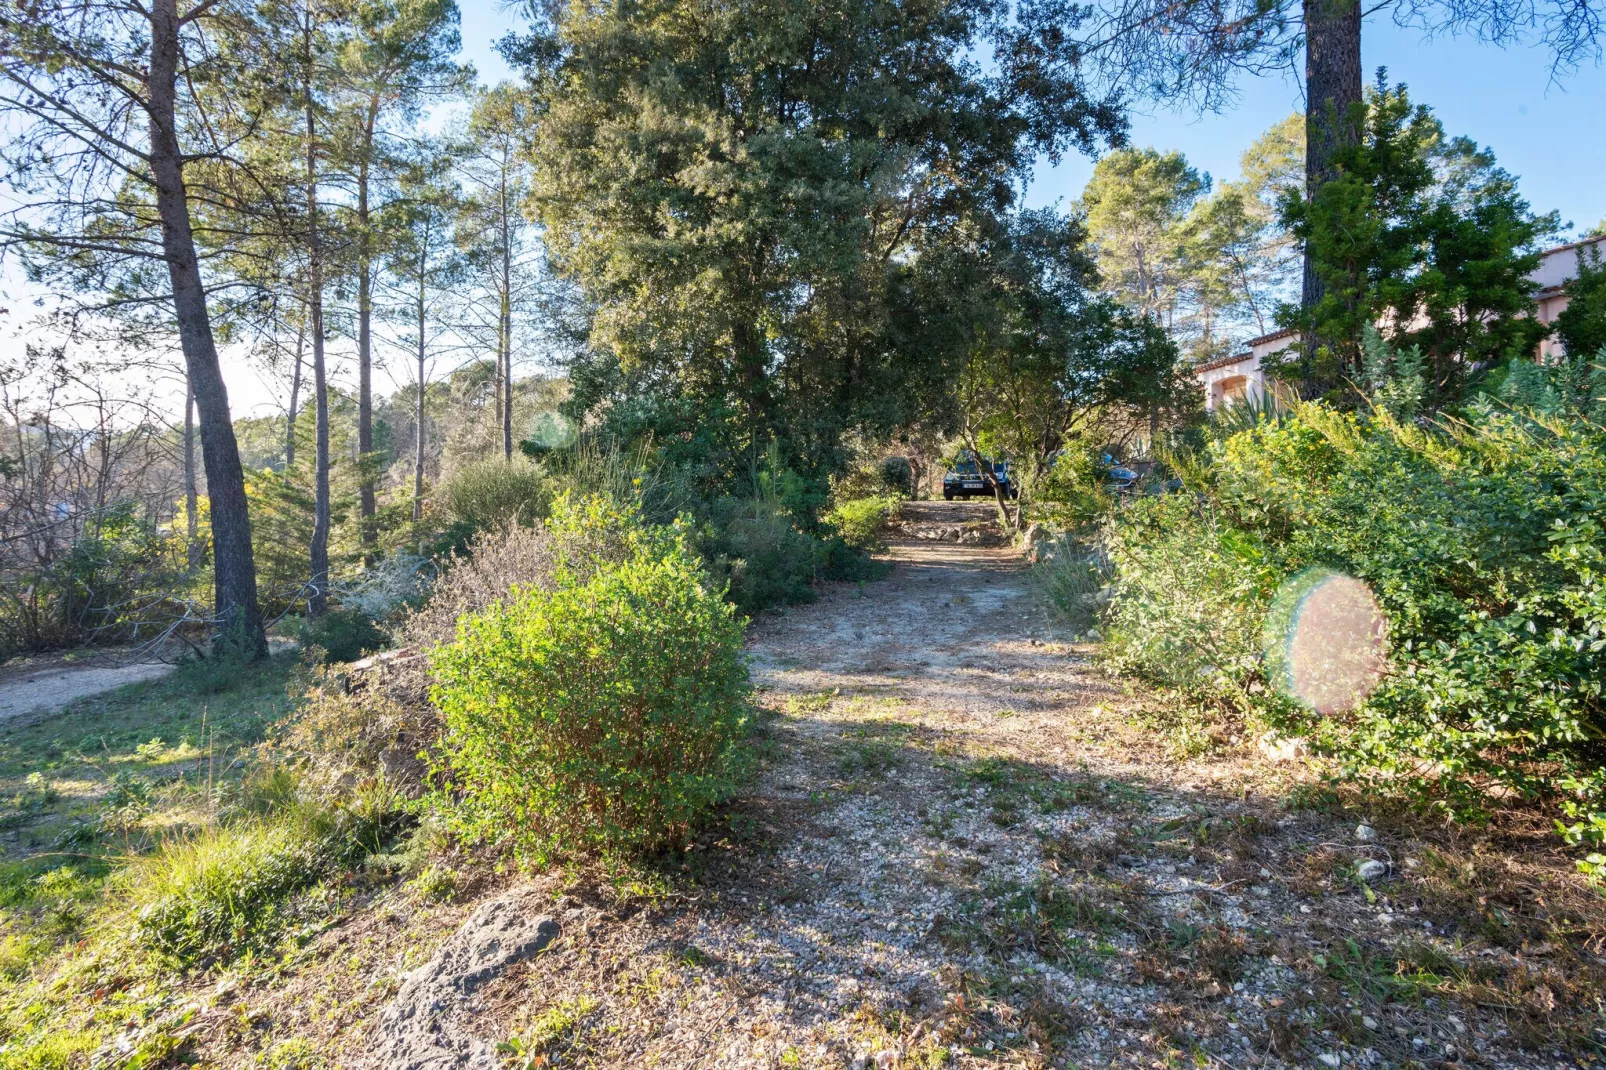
(374,717)
(496,562)
(352,728)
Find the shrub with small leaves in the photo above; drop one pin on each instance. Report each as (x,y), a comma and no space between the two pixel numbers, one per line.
(344,634)
(435,884)
(1483,544)
(606,713)
(488,495)
(860,521)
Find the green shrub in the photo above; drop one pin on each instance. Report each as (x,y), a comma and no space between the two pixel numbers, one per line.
(1070,495)
(1191,593)
(488,495)
(121,573)
(1484,546)
(1074,580)
(221,673)
(771,563)
(763,558)
(860,521)
(897,476)
(344,634)
(606,713)
(434,884)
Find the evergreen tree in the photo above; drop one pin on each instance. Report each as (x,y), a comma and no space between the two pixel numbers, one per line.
(1425,237)
(493,163)
(396,58)
(424,263)
(107,150)
(741,191)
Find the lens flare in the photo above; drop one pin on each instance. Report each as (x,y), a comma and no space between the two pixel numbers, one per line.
(1326,641)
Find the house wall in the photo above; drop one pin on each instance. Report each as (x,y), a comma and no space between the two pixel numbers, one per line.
(1556,267)
(1242,377)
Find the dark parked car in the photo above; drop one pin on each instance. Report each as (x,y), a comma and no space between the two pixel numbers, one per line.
(968,478)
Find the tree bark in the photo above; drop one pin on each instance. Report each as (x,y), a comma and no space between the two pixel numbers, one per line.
(365,399)
(192,542)
(237,623)
(1332,87)
(318,581)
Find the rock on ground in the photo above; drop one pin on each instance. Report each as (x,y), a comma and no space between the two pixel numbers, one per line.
(425,1028)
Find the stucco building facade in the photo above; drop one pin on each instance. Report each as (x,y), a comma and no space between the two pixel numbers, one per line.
(1239,376)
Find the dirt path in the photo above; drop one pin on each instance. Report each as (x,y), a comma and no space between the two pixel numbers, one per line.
(966,849)
(30,693)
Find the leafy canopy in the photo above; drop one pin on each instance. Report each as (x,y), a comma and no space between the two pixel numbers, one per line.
(743,191)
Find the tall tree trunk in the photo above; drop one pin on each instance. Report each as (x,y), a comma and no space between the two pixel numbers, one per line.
(505,367)
(505,318)
(318,584)
(418,411)
(1332,87)
(365,399)
(295,397)
(192,542)
(237,623)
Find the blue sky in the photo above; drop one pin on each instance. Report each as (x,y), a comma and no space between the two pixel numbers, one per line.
(1551,135)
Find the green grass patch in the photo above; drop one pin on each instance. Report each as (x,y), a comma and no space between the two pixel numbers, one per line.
(140,846)
(229,891)
(122,769)
(121,728)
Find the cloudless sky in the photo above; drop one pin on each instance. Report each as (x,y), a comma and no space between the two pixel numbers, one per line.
(1551,134)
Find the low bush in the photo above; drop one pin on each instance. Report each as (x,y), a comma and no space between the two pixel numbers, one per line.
(766,556)
(121,576)
(1071,495)
(1075,579)
(891,476)
(897,476)
(860,521)
(1483,544)
(488,495)
(605,713)
(343,634)
(493,562)
(763,558)
(222,673)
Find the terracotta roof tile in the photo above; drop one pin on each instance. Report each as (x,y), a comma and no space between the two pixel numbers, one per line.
(1221,362)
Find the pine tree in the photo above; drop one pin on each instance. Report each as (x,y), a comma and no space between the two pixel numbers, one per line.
(103,151)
